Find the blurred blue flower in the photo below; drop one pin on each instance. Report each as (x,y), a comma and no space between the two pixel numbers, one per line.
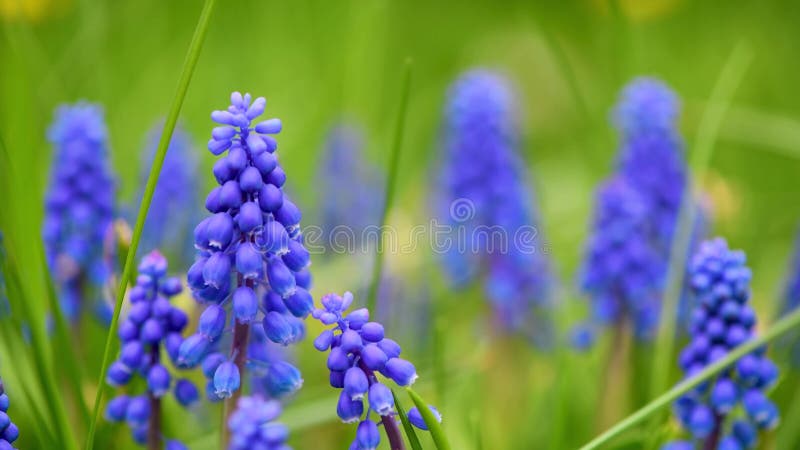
(252,425)
(8,431)
(350,190)
(636,211)
(152,324)
(79,209)
(791,290)
(357,350)
(484,198)
(173,212)
(252,239)
(722,320)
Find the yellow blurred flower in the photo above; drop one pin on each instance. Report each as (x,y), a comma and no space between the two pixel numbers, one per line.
(31,10)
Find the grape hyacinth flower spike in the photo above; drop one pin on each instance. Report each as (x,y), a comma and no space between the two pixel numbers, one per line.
(357,352)
(152,324)
(253,426)
(482,186)
(728,412)
(8,431)
(251,271)
(79,210)
(173,213)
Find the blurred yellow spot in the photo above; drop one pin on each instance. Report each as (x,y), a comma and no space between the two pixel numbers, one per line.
(640,10)
(31,10)
(723,197)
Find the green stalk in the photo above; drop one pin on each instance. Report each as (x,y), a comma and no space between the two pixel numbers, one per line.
(411,435)
(779,328)
(707,132)
(394,163)
(434,426)
(189,65)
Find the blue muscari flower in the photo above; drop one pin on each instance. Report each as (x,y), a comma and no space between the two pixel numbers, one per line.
(484,197)
(636,211)
(251,269)
(151,324)
(173,212)
(351,190)
(8,431)
(79,210)
(252,425)
(358,351)
(722,320)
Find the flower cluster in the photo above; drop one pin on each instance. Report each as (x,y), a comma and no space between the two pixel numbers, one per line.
(252,236)
(348,204)
(152,323)
(253,425)
(79,209)
(482,189)
(358,350)
(722,320)
(172,214)
(8,431)
(636,212)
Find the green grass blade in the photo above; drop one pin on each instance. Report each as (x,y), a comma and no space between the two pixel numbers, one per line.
(707,133)
(391,176)
(411,435)
(779,328)
(434,426)
(189,65)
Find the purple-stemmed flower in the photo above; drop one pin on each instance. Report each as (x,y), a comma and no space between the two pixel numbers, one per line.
(358,352)
(251,271)
(79,210)
(8,431)
(253,426)
(152,324)
(727,412)
(173,212)
(484,197)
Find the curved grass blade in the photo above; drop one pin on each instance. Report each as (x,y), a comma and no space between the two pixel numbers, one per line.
(394,164)
(707,133)
(411,435)
(434,426)
(189,65)
(779,328)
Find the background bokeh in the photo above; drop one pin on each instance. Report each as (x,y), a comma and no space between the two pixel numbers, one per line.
(319,62)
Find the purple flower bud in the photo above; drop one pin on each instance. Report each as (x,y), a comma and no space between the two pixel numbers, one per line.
(338,360)
(355,383)
(273,238)
(357,318)
(701,421)
(372,332)
(351,341)
(139,312)
(323,341)
(380,399)
(281,279)
(158,380)
(250,180)
(226,379)
(249,262)
(374,358)
(230,196)
(274,302)
(349,410)
(270,197)
(277,177)
(211,363)
(186,392)
(219,230)
(300,303)
(415,417)
(367,435)
(400,371)
(336,379)
(249,218)
(138,410)
(213,205)
(283,378)
(117,408)
(265,163)
(172,343)
(192,350)
(212,322)
(161,308)
(288,214)
(298,257)
(723,396)
(245,304)
(217,270)
(303,278)
(177,320)
(131,355)
(152,331)
(271,126)
(277,328)
(128,331)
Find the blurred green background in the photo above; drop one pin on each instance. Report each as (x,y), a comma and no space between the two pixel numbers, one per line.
(317,62)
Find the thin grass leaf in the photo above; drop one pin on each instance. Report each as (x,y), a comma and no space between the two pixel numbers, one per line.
(394,164)
(779,328)
(434,426)
(411,435)
(707,133)
(189,65)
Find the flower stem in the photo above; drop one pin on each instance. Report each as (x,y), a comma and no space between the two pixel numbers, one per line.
(393,433)
(154,441)
(241,333)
